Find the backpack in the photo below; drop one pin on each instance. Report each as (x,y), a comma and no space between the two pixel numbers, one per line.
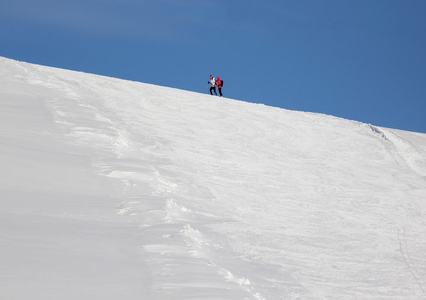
(221,81)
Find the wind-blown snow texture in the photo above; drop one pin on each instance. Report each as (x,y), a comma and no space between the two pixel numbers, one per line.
(113,189)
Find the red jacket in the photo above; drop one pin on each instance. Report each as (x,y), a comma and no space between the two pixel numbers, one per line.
(219,83)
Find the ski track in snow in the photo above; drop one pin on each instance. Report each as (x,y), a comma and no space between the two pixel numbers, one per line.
(412,157)
(242,201)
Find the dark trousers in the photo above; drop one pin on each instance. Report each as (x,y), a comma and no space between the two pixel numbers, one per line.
(214,89)
(220,91)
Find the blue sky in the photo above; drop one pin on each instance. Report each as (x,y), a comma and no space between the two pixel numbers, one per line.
(356,59)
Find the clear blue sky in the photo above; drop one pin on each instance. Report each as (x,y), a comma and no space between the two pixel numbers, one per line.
(363,60)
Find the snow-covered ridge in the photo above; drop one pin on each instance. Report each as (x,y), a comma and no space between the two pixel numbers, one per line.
(112,189)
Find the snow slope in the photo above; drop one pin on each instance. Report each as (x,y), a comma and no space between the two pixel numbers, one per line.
(112,189)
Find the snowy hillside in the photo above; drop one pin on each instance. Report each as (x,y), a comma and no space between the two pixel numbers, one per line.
(111,189)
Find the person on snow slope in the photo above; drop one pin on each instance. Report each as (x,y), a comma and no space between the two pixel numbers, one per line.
(219,84)
(212,83)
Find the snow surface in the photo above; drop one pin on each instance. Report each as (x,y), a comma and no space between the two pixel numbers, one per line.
(112,189)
